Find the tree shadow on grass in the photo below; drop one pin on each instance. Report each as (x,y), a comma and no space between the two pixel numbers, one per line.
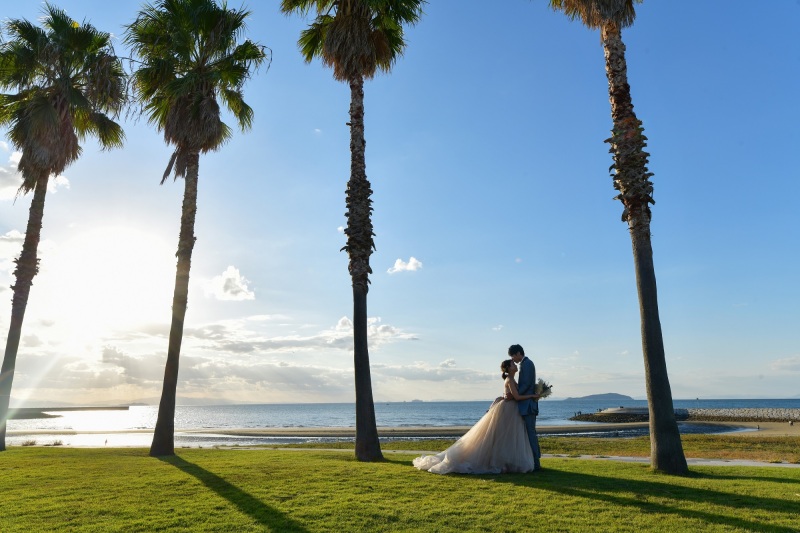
(649,497)
(262,513)
(792,479)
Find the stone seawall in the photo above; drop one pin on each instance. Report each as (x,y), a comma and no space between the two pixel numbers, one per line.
(700,415)
(745,415)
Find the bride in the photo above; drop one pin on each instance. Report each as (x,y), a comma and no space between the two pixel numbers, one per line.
(497,443)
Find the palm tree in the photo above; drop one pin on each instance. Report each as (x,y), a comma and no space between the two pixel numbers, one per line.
(357,38)
(190,57)
(67,82)
(632,180)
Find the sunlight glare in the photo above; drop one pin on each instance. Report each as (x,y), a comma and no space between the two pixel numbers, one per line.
(109,279)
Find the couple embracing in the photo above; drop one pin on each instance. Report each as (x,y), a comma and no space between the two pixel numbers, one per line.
(505,439)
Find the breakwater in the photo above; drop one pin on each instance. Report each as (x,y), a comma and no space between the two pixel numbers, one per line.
(745,415)
(699,415)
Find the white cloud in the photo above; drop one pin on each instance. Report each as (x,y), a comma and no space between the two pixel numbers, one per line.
(58,181)
(344,324)
(236,360)
(401,266)
(447,370)
(339,337)
(31,341)
(11,179)
(497,327)
(238,337)
(11,246)
(258,337)
(791,364)
(230,285)
(340,229)
(317,131)
(518,260)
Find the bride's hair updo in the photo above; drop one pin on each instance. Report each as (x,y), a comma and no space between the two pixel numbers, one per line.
(505,365)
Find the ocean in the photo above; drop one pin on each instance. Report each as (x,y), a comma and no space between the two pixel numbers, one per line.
(133,427)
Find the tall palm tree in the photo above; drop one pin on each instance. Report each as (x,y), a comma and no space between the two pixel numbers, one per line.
(68,84)
(632,179)
(356,38)
(190,57)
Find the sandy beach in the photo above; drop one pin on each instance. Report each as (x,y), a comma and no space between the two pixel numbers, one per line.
(417,431)
(761,429)
(743,429)
(386,432)
(740,428)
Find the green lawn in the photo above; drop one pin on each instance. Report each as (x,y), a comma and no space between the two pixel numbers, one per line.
(754,448)
(64,489)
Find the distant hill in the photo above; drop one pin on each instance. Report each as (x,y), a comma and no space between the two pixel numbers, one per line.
(609,397)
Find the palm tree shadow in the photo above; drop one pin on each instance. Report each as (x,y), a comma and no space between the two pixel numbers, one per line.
(769,479)
(649,497)
(262,513)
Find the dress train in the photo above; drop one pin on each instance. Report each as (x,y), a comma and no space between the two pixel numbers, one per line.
(497,443)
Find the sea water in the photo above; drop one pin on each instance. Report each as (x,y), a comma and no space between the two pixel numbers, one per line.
(133,427)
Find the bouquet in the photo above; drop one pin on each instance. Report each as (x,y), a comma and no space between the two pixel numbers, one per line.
(543,389)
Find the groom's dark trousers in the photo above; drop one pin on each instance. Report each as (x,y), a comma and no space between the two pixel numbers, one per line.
(530,426)
(529,409)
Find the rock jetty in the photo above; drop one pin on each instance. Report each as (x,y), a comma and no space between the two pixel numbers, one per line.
(745,415)
(640,414)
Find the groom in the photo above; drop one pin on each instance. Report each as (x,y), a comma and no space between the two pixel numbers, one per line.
(529,409)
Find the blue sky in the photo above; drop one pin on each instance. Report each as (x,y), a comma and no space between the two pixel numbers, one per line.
(491,194)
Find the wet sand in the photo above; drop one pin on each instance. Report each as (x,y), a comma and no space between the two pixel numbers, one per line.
(416,431)
(764,429)
(458,431)
(385,432)
(745,429)
(759,429)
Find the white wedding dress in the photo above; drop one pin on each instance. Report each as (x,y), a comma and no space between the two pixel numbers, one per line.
(497,443)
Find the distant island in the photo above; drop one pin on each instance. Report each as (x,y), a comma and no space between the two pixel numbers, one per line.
(609,396)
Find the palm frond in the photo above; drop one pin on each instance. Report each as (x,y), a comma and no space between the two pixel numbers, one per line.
(109,133)
(191,55)
(312,39)
(358,37)
(303,7)
(66,77)
(595,13)
(235,102)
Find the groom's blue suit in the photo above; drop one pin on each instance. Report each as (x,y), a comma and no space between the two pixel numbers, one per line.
(529,409)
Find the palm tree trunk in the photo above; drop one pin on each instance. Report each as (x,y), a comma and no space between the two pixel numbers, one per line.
(359,247)
(164,434)
(632,179)
(27,268)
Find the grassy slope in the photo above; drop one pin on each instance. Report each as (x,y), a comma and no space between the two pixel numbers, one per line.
(46,489)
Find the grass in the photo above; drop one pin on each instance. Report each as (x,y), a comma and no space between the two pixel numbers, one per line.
(754,448)
(70,489)
(766,449)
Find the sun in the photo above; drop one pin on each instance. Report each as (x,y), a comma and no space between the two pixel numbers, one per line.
(106,280)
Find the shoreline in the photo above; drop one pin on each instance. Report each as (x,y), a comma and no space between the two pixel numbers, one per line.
(739,428)
(417,431)
(733,427)
(383,431)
